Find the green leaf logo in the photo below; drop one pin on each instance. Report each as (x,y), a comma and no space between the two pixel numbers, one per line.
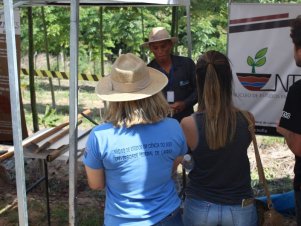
(259,59)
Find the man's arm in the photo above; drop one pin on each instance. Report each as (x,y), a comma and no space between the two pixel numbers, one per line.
(293,140)
(192,99)
(96,178)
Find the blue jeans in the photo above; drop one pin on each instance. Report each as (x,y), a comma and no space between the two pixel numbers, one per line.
(298,206)
(202,213)
(175,219)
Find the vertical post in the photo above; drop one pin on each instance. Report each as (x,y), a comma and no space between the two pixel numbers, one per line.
(175,26)
(47,55)
(143,54)
(33,101)
(15,100)
(73,102)
(229,14)
(188,29)
(45,169)
(102,69)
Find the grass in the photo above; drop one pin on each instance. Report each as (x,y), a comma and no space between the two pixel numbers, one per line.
(268,140)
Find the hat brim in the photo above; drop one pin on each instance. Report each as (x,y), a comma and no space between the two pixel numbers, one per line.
(105,90)
(173,40)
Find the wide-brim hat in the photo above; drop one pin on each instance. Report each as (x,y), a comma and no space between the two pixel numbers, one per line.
(158,34)
(130,79)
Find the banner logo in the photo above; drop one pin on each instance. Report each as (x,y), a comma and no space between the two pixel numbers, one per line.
(255,81)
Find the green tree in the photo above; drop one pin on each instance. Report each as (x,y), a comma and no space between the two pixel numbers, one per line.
(209,25)
(57,22)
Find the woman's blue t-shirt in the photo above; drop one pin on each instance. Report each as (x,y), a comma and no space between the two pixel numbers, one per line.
(138,165)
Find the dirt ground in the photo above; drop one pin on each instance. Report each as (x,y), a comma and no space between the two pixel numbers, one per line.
(277,160)
(89,203)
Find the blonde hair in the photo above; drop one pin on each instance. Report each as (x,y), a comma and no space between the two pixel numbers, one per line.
(214,82)
(144,111)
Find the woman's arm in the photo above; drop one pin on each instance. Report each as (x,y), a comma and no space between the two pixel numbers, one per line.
(96,178)
(190,131)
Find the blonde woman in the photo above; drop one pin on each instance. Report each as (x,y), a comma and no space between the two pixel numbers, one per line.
(219,189)
(132,155)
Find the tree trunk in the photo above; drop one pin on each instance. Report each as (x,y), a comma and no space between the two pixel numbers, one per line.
(175,25)
(102,71)
(33,102)
(58,68)
(47,56)
(143,55)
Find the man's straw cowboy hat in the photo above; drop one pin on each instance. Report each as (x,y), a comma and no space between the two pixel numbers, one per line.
(130,79)
(158,34)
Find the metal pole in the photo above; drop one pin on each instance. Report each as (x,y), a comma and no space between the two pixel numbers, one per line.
(16,116)
(18,4)
(73,111)
(188,29)
(47,190)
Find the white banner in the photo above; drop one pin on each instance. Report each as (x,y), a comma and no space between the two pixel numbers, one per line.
(261,52)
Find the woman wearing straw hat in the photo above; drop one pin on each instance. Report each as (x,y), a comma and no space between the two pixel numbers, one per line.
(134,152)
(180,71)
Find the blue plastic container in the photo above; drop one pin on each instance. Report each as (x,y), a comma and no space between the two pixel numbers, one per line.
(284,203)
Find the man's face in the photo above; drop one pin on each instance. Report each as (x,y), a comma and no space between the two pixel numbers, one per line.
(297,56)
(161,49)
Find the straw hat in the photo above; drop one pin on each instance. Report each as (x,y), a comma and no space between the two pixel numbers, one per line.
(158,34)
(130,79)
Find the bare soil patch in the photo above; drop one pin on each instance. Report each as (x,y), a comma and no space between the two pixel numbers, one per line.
(89,203)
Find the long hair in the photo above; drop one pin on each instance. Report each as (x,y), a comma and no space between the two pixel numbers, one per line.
(214,85)
(296,32)
(144,111)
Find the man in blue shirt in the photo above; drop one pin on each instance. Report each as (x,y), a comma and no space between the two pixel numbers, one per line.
(180,91)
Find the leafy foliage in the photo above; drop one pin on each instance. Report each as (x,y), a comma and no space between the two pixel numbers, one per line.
(126,28)
(57,22)
(50,118)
